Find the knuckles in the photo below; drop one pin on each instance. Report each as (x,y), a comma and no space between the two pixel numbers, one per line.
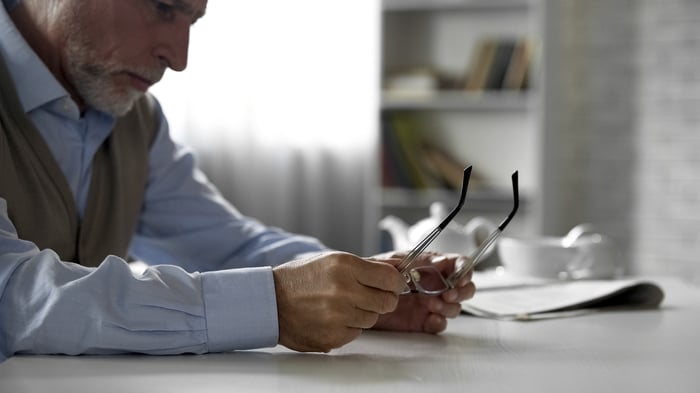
(331,291)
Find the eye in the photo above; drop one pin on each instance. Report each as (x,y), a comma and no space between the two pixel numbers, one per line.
(165,11)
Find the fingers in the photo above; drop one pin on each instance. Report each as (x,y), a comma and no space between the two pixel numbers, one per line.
(379,275)
(429,314)
(448,304)
(447,310)
(434,324)
(362,319)
(376,301)
(460,293)
(466,279)
(325,301)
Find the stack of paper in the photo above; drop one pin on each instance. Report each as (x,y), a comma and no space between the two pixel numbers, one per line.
(528,299)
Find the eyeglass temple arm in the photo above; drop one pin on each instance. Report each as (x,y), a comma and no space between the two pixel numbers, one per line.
(420,247)
(462,197)
(516,202)
(479,253)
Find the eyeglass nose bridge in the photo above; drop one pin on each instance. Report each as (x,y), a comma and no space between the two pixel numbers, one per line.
(407,283)
(412,278)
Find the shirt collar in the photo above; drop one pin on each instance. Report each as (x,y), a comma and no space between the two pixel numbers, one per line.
(35,84)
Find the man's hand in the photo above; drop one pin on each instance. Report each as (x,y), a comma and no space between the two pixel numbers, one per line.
(423,313)
(326,301)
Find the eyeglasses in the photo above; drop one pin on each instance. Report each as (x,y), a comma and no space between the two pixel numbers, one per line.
(428,279)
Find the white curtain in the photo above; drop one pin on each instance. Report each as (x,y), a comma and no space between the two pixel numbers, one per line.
(280,103)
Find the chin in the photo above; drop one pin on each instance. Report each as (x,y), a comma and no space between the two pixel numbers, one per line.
(116,105)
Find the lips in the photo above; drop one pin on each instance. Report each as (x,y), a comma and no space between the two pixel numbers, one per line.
(141,78)
(139,82)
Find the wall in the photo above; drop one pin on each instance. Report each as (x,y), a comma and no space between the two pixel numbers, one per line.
(667,221)
(620,124)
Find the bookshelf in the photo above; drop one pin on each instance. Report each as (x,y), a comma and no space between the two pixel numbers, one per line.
(458,101)
(431,52)
(422,5)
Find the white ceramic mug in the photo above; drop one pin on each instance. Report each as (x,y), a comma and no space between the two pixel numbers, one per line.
(583,253)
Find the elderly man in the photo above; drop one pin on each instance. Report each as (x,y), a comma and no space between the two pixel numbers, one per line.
(89,176)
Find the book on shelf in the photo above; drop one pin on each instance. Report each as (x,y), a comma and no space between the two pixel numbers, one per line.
(445,166)
(501,62)
(526,299)
(516,77)
(481,61)
(394,170)
(410,159)
(402,139)
(498,64)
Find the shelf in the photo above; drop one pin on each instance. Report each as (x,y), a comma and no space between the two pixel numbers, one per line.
(429,48)
(477,200)
(498,101)
(472,5)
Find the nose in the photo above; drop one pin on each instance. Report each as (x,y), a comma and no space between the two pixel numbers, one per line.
(173,48)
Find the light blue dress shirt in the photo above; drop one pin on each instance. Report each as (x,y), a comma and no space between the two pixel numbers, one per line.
(210,287)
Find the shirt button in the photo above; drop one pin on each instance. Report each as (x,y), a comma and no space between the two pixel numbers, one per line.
(66,105)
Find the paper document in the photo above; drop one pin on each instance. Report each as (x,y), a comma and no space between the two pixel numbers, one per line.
(538,299)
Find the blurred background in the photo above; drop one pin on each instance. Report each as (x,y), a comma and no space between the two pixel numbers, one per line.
(322,117)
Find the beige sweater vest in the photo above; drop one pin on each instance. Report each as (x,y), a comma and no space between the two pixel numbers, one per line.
(39,201)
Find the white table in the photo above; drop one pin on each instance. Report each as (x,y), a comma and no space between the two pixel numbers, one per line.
(631,351)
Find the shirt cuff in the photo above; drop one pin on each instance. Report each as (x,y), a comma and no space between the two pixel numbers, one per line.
(241,309)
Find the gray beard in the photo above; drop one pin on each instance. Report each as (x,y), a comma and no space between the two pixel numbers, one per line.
(94,84)
(93,76)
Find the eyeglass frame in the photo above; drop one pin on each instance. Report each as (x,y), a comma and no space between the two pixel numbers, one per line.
(412,274)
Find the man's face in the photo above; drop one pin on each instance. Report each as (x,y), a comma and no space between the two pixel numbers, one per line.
(116,49)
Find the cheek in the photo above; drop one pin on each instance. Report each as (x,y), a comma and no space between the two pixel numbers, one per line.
(122,49)
(116,33)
